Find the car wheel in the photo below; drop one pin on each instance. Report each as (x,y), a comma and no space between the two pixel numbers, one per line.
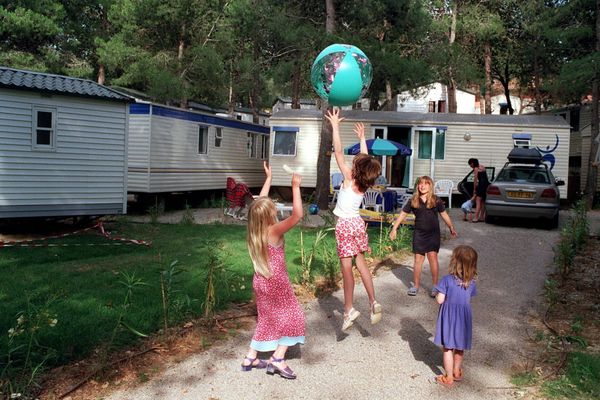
(489,219)
(553,223)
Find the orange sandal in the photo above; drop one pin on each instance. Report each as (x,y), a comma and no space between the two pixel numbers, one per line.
(444,380)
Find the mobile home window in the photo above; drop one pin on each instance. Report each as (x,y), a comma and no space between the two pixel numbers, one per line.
(218,136)
(202,140)
(252,145)
(285,141)
(441,106)
(265,147)
(440,144)
(425,144)
(44,128)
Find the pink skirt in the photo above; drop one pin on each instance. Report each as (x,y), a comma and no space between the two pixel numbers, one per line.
(351,236)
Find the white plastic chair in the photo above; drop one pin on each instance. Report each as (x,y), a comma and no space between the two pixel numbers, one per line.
(370,200)
(282,209)
(443,188)
(336,182)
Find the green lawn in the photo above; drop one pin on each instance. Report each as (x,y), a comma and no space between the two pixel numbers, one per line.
(81,286)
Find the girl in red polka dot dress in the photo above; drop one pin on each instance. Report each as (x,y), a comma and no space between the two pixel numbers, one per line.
(280,321)
(350,230)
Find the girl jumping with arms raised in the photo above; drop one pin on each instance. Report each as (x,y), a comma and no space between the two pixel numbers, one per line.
(350,230)
(454,324)
(280,321)
(426,237)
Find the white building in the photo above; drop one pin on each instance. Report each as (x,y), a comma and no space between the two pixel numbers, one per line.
(63,146)
(441,143)
(520,106)
(433,98)
(176,150)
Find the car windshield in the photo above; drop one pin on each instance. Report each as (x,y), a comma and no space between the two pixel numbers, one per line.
(524,174)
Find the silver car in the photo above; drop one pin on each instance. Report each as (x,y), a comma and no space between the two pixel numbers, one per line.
(524,188)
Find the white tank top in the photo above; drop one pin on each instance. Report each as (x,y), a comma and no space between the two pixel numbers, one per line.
(348,202)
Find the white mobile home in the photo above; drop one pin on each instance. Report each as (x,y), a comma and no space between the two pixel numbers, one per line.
(63,146)
(175,150)
(441,143)
(433,98)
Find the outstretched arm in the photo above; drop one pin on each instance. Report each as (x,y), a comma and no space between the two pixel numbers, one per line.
(359,129)
(267,185)
(448,222)
(279,229)
(397,222)
(335,119)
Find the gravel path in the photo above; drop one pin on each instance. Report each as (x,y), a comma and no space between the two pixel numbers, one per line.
(396,358)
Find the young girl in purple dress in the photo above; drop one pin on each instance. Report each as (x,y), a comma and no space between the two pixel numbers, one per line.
(454,324)
(280,322)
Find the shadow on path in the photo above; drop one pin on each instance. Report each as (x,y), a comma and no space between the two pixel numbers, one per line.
(404,273)
(330,305)
(422,348)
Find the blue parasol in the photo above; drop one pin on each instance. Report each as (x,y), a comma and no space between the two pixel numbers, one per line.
(380,147)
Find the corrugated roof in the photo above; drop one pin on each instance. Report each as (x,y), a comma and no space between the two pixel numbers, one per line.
(50,83)
(412,118)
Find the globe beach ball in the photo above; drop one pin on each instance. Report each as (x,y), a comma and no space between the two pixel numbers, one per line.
(341,74)
(313,209)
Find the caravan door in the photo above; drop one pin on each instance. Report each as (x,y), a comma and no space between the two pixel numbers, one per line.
(424,140)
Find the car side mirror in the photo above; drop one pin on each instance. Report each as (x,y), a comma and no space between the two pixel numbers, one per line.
(560,182)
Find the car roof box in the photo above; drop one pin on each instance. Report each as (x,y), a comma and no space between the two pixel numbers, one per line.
(525,156)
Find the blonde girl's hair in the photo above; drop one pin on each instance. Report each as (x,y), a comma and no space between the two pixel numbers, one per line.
(261,216)
(431,199)
(463,264)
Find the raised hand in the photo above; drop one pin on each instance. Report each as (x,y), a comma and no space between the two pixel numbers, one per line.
(359,129)
(296,180)
(334,117)
(267,169)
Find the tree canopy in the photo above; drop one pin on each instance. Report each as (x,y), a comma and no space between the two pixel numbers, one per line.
(249,52)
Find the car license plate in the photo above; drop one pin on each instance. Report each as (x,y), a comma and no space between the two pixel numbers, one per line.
(519,195)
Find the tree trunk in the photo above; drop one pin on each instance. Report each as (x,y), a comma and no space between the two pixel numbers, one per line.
(452,105)
(101,74)
(326,141)
(373,101)
(232,94)
(389,96)
(323,171)
(487,54)
(536,85)
(296,85)
(592,176)
(511,110)
(329,17)
(180,51)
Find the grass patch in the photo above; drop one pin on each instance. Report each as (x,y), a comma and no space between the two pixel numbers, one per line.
(580,381)
(83,279)
(80,288)
(523,379)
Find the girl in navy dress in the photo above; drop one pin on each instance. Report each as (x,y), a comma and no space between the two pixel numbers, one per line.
(426,237)
(454,326)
